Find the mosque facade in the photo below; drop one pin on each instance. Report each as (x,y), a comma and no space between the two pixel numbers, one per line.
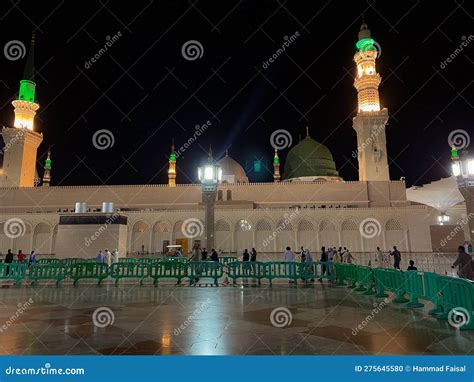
(308,203)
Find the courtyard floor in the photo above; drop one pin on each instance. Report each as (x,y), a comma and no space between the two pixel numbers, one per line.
(206,320)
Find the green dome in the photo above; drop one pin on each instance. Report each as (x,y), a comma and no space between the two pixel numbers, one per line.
(309,159)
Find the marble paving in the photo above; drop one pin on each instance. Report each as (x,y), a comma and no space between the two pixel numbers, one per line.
(205,320)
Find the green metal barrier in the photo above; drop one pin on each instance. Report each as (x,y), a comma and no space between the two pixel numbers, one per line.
(346,272)
(54,271)
(314,270)
(13,271)
(149,260)
(423,286)
(128,270)
(47,261)
(167,270)
(457,301)
(225,260)
(175,259)
(365,280)
(89,271)
(128,260)
(196,270)
(246,269)
(281,270)
(390,280)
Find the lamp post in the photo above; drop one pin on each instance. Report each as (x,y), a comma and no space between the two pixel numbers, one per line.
(209,175)
(463,169)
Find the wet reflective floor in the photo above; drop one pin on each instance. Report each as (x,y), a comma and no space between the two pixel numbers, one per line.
(205,320)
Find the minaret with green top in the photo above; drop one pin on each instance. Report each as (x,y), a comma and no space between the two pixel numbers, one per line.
(19,160)
(276,167)
(172,167)
(47,170)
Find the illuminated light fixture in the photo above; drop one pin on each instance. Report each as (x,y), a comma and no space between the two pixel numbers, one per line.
(365,44)
(456,168)
(443,218)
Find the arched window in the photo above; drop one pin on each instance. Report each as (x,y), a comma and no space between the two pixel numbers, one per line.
(229,195)
(219,195)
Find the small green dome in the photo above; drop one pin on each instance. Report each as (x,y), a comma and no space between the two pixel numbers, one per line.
(309,158)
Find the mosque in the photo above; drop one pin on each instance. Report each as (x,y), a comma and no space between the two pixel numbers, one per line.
(308,203)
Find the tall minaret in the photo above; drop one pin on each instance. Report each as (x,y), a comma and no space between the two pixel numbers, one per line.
(371,119)
(47,170)
(172,167)
(21,141)
(276,167)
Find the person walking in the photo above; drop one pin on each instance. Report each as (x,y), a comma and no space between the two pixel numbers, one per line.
(397,257)
(32,259)
(100,257)
(8,260)
(246,259)
(323,259)
(253,255)
(204,254)
(214,255)
(107,257)
(196,256)
(348,258)
(378,257)
(289,257)
(246,255)
(464,263)
(115,255)
(21,256)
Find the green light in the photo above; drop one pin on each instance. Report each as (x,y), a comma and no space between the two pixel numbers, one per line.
(47,164)
(27,91)
(276,160)
(257,165)
(365,44)
(172,156)
(454,153)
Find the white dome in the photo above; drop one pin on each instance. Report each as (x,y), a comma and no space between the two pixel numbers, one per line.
(232,171)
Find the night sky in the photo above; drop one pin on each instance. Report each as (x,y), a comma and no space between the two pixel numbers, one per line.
(145,92)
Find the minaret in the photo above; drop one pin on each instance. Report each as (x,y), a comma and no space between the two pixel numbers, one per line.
(47,170)
(276,167)
(172,167)
(21,141)
(371,119)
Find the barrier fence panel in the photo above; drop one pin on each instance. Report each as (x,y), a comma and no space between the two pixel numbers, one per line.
(457,301)
(128,270)
(13,271)
(365,280)
(89,271)
(314,270)
(246,269)
(48,261)
(197,270)
(391,280)
(56,271)
(167,270)
(281,270)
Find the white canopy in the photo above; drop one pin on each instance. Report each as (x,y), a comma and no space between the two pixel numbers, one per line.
(441,194)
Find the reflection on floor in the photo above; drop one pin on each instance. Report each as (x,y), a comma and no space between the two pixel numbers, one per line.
(129,319)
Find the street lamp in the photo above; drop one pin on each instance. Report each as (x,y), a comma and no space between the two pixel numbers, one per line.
(210,175)
(463,169)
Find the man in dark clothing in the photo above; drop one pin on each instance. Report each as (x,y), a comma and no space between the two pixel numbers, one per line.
(204,254)
(324,258)
(465,264)
(397,257)
(412,267)
(214,255)
(8,260)
(253,255)
(246,256)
